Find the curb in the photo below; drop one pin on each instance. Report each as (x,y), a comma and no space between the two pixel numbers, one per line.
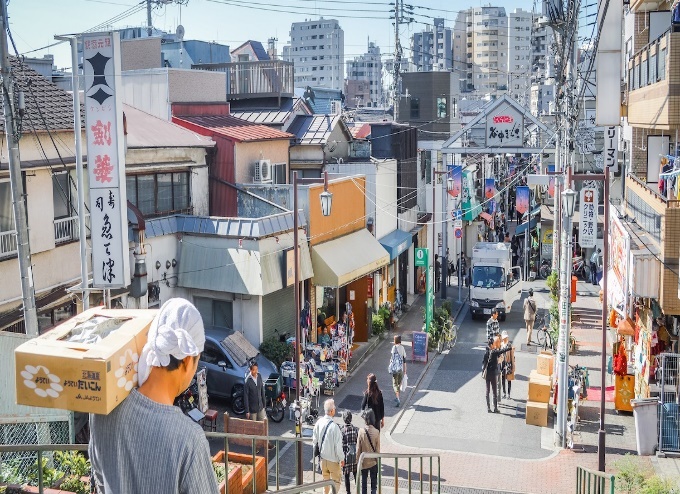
(396,421)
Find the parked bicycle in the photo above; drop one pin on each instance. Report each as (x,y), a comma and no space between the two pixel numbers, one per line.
(545,269)
(580,267)
(578,391)
(448,337)
(543,337)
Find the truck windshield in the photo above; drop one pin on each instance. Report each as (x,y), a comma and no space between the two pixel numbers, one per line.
(488,277)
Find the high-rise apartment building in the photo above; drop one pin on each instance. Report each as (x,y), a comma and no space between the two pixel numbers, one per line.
(432,49)
(363,86)
(317,48)
(518,84)
(487,49)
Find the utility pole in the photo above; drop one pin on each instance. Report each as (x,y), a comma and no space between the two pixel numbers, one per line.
(398,20)
(149,25)
(16,183)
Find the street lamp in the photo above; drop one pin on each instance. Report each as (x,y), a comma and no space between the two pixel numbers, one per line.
(568,205)
(326,203)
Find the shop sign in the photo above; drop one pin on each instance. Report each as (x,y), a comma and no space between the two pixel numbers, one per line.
(619,250)
(551,183)
(505,127)
(588,226)
(419,346)
(611,148)
(489,188)
(421,257)
(369,287)
(106,160)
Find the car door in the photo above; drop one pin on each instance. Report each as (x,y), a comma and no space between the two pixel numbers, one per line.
(218,377)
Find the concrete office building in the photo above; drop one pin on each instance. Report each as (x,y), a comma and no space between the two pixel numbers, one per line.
(432,49)
(519,56)
(317,48)
(363,86)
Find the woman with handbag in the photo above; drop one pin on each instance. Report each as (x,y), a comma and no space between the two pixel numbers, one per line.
(373,399)
(508,365)
(368,442)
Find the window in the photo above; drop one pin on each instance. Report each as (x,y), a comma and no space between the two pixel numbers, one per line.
(213,355)
(159,194)
(425,166)
(217,313)
(662,65)
(643,74)
(415,107)
(652,69)
(442,109)
(6,215)
(62,198)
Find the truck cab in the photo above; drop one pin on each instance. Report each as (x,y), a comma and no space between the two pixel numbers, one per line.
(494,282)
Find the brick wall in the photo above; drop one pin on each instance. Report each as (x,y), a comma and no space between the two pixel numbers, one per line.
(242,426)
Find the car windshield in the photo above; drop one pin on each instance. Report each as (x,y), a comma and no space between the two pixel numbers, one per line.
(488,277)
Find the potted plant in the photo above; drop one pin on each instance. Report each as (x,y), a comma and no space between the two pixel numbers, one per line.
(378,325)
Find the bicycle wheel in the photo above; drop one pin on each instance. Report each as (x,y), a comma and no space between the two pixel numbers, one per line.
(454,337)
(545,271)
(277,412)
(541,337)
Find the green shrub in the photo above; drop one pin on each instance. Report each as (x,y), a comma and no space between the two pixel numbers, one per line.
(630,476)
(553,283)
(446,305)
(275,350)
(659,485)
(378,324)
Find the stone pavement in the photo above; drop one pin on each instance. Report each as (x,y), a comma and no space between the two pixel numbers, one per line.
(500,452)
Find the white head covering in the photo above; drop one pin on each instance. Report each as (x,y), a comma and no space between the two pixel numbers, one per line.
(177,330)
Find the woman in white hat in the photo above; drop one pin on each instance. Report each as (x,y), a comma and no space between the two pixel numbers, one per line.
(508,364)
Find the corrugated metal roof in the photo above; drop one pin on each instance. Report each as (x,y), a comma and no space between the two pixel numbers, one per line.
(313,129)
(360,131)
(235,128)
(265,117)
(255,268)
(147,131)
(224,227)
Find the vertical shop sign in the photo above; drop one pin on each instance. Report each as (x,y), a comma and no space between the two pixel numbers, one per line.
(611,148)
(588,225)
(106,160)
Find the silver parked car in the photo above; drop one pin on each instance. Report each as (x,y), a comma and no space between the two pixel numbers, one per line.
(226,358)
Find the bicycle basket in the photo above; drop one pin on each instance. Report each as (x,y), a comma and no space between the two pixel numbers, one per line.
(273,386)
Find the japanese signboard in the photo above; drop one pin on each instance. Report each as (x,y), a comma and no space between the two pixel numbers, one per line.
(611,148)
(588,227)
(505,127)
(106,160)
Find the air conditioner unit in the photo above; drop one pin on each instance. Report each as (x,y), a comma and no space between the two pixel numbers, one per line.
(263,172)
(336,107)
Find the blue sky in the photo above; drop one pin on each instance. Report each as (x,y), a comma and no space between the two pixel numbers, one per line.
(35,22)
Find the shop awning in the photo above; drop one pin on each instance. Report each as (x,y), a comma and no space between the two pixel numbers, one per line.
(396,242)
(255,268)
(345,259)
(521,228)
(487,217)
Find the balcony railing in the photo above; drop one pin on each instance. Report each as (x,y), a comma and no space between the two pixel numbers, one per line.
(8,244)
(271,78)
(67,229)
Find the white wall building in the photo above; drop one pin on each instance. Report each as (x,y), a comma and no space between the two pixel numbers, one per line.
(317,48)
(366,68)
(487,46)
(519,55)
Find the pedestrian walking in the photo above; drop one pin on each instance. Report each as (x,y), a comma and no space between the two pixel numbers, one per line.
(253,395)
(369,442)
(530,314)
(327,437)
(508,365)
(397,366)
(594,265)
(490,371)
(492,325)
(437,271)
(373,399)
(350,434)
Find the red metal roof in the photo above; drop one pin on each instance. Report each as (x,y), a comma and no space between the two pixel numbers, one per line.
(235,128)
(360,131)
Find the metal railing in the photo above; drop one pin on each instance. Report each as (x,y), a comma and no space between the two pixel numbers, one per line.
(256,78)
(409,457)
(8,243)
(67,229)
(593,482)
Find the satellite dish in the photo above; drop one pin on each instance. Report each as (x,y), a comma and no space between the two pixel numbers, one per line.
(179,33)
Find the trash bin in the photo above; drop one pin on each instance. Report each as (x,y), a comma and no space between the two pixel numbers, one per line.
(646,425)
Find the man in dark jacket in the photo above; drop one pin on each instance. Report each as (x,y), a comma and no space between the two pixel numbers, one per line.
(253,395)
(490,363)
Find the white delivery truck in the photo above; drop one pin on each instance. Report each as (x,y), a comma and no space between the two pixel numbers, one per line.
(494,282)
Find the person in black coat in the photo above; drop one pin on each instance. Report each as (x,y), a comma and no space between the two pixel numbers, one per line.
(490,362)
(373,399)
(253,394)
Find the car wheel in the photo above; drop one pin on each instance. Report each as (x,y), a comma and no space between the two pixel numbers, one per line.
(238,405)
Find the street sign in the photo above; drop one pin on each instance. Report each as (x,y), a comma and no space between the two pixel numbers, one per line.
(457,214)
(458,232)
(421,257)
(588,224)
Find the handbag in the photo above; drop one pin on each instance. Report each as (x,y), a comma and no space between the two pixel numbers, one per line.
(484,371)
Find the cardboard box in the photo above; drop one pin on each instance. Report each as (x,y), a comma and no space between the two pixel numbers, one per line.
(544,364)
(539,390)
(537,414)
(52,372)
(535,376)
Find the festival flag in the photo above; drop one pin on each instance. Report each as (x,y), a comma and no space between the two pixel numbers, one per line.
(490,188)
(522,199)
(456,173)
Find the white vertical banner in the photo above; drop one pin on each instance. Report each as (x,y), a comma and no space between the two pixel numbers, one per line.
(611,148)
(608,63)
(106,160)
(588,226)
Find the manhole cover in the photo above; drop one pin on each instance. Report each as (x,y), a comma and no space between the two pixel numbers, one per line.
(351,402)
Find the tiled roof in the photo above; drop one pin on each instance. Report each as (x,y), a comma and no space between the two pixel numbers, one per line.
(313,129)
(41,95)
(235,128)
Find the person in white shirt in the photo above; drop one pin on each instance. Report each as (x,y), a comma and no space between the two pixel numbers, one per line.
(328,436)
(397,366)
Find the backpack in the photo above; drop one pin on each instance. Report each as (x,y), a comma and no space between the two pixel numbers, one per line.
(396,362)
